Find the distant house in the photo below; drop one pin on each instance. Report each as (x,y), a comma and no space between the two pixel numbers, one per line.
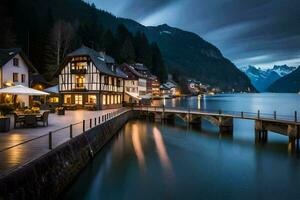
(171,88)
(135,83)
(153,85)
(15,69)
(90,79)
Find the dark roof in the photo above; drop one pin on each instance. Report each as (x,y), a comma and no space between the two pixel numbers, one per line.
(140,67)
(132,70)
(7,54)
(100,61)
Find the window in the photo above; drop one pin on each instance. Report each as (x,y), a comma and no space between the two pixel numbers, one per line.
(15,77)
(92,99)
(53,100)
(111,99)
(23,78)
(107,99)
(80,82)
(16,62)
(119,98)
(78,99)
(67,99)
(104,99)
(116,99)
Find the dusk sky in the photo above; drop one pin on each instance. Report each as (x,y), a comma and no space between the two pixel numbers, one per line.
(249,32)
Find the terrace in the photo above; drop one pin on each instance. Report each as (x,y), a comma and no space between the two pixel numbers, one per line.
(20,146)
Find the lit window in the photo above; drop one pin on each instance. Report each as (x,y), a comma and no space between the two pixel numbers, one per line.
(92,99)
(53,100)
(104,99)
(116,99)
(67,99)
(15,77)
(112,99)
(108,99)
(16,62)
(78,99)
(119,98)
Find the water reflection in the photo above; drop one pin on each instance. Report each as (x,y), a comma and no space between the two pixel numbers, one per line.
(138,146)
(162,152)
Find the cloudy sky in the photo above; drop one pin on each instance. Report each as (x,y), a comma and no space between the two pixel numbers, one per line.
(249,32)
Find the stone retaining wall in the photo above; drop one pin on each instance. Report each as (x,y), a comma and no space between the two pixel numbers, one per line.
(47,176)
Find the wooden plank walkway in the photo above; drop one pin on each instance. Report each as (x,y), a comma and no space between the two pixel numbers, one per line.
(17,156)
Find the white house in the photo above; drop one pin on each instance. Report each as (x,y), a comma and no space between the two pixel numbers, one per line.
(135,83)
(89,79)
(15,69)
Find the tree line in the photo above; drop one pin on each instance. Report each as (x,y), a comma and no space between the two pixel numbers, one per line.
(47,36)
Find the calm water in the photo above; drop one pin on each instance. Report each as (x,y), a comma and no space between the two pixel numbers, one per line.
(162,161)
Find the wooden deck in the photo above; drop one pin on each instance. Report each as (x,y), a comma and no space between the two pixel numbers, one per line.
(11,158)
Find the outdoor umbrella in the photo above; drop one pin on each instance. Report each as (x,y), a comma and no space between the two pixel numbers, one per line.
(22,90)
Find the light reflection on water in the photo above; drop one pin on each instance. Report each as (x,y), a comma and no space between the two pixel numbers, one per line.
(160,161)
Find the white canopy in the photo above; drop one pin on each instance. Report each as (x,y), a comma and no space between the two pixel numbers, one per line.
(22,90)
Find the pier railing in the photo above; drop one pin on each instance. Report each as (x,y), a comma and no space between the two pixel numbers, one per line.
(293,117)
(37,146)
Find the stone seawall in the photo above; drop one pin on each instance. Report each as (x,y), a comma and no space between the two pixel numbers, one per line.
(47,176)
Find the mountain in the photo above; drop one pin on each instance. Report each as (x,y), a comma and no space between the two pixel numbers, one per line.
(288,84)
(186,54)
(262,79)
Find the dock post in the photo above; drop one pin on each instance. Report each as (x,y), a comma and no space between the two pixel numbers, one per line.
(50,140)
(242,114)
(296,116)
(83,126)
(71,131)
(275,115)
(258,114)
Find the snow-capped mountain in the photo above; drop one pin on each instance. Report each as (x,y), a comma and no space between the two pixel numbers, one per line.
(263,78)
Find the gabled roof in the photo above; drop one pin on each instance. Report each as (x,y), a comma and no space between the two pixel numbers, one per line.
(7,54)
(100,61)
(132,70)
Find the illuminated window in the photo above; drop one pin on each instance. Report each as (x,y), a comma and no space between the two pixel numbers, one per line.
(108,99)
(112,99)
(67,99)
(78,99)
(15,77)
(79,82)
(92,99)
(116,99)
(104,99)
(119,98)
(53,100)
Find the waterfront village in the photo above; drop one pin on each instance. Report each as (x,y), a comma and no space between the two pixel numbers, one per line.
(86,79)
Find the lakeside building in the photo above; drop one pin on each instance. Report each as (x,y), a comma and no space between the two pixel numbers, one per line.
(135,84)
(196,87)
(90,79)
(171,89)
(15,69)
(153,85)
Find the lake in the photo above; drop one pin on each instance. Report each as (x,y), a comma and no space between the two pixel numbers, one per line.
(149,160)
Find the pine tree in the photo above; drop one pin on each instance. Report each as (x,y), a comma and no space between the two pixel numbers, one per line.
(158,66)
(127,53)
(143,49)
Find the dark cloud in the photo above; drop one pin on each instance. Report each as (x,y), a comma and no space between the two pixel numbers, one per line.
(256,32)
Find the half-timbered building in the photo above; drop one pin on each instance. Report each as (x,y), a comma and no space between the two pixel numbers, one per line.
(89,79)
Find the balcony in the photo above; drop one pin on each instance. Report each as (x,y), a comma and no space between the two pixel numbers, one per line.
(111,88)
(78,71)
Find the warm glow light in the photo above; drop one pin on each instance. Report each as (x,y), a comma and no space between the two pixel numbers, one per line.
(138,146)
(161,149)
(199,102)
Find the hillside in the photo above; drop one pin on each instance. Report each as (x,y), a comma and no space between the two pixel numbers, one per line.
(289,83)
(263,78)
(184,53)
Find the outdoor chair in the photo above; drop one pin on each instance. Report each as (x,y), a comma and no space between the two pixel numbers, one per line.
(30,121)
(18,120)
(44,118)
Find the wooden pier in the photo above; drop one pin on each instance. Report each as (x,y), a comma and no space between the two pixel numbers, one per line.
(288,126)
